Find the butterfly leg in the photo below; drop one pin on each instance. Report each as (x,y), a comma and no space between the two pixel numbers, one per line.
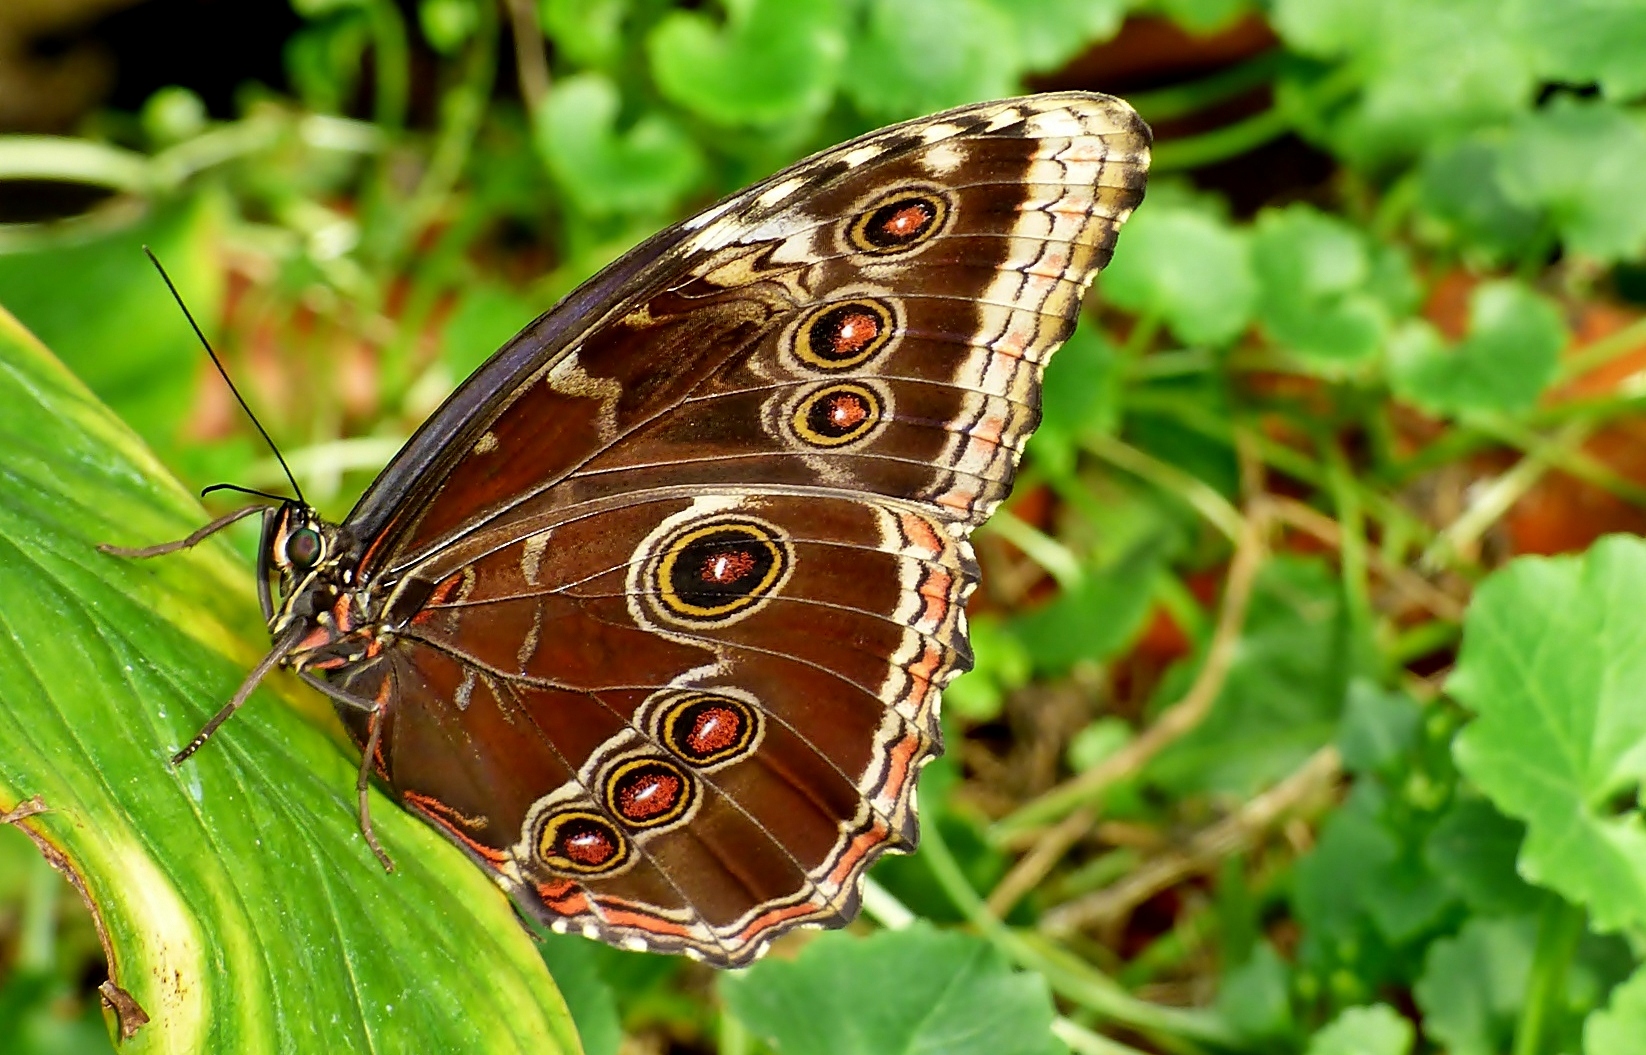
(376,709)
(194,539)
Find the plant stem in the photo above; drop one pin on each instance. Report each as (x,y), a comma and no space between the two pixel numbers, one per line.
(1068,975)
(1558,931)
(1164,104)
(1196,493)
(1631,338)
(1056,558)
(391,57)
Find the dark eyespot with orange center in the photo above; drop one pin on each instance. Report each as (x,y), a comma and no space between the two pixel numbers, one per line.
(719,570)
(844,335)
(649,792)
(581,842)
(707,728)
(836,415)
(902,220)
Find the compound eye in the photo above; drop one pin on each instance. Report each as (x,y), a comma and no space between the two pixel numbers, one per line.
(303,548)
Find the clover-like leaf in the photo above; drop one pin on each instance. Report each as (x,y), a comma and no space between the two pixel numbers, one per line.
(894,993)
(1051,32)
(1579,164)
(772,62)
(1187,267)
(1553,663)
(603,171)
(587,32)
(915,57)
(243,911)
(1504,364)
(1319,291)
(1472,984)
(1619,1029)
(1460,187)
(1375,1030)
(1429,69)
(1583,41)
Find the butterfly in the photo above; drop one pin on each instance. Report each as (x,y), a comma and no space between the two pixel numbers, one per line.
(651,617)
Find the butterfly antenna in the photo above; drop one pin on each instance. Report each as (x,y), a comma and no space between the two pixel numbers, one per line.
(225,375)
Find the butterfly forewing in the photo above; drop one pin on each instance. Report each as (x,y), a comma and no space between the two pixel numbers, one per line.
(666,602)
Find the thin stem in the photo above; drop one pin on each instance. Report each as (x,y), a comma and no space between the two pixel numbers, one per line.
(1351,539)
(1083,1041)
(391,61)
(1164,104)
(74,161)
(1069,976)
(1057,559)
(1196,493)
(1603,351)
(1559,928)
(1228,142)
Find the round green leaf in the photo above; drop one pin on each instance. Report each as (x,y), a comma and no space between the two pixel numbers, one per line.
(1186,267)
(1316,296)
(1375,1030)
(1579,41)
(603,171)
(1580,164)
(1505,362)
(1553,663)
(1621,1028)
(772,62)
(895,993)
(244,912)
(916,57)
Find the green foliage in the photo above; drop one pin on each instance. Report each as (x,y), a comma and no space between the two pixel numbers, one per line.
(846,996)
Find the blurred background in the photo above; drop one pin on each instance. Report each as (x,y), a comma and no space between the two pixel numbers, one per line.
(1376,330)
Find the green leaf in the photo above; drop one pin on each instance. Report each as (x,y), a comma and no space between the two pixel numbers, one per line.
(1459,186)
(1378,727)
(1552,662)
(586,32)
(1583,41)
(772,62)
(1429,70)
(1187,267)
(446,24)
(915,57)
(1081,396)
(1095,619)
(1255,998)
(1504,364)
(1051,32)
(1316,292)
(1204,16)
(1375,1030)
(603,171)
(1472,850)
(243,909)
(1472,985)
(895,992)
(1579,163)
(1283,693)
(575,963)
(1620,1029)
(1002,663)
(102,308)
(487,315)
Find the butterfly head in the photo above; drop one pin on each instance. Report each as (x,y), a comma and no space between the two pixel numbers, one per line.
(304,557)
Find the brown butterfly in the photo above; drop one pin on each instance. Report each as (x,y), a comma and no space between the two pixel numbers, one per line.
(651,617)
